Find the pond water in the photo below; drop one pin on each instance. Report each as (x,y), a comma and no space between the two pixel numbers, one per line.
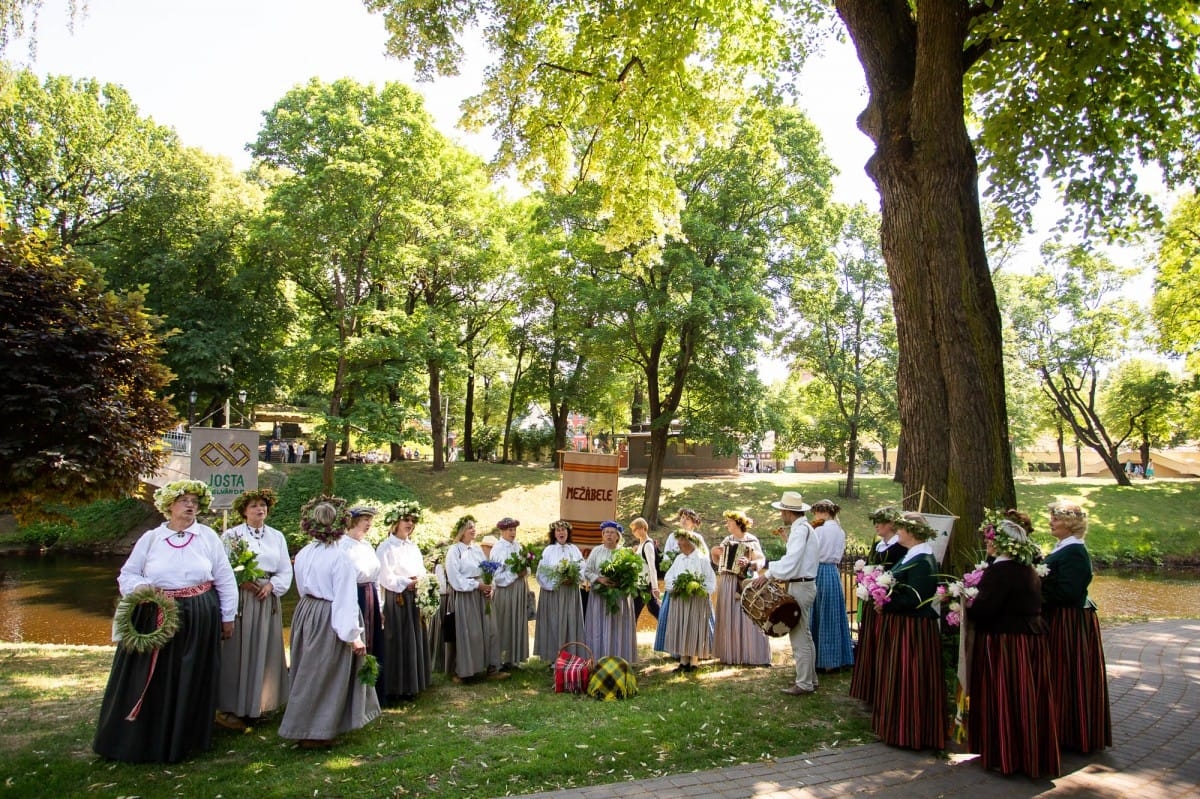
(67,599)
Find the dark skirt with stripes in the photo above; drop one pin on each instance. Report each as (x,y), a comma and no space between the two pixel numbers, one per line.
(176,715)
(405,669)
(829,624)
(910,700)
(441,651)
(368,605)
(866,672)
(1080,679)
(1011,722)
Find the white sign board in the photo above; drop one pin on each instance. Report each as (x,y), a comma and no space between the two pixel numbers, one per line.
(944,525)
(227,460)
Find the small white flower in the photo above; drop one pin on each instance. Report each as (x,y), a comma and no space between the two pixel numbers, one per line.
(861,592)
(970,593)
(885,580)
(859,565)
(1042,569)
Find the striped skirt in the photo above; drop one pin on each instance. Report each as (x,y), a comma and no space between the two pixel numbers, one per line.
(866,672)
(829,623)
(405,670)
(690,632)
(737,640)
(910,701)
(1011,722)
(510,605)
(1080,679)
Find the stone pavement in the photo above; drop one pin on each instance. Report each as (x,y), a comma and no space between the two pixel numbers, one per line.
(1154,690)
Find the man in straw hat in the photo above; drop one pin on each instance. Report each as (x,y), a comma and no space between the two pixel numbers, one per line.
(798,568)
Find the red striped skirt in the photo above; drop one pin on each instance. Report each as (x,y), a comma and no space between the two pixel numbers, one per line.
(1012,722)
(1080,679)
(862,682)
(910,699)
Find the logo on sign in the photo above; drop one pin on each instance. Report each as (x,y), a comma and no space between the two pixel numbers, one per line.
(214,454)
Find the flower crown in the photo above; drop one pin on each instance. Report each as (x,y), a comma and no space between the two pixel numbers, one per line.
(507,523)
(165,497)
(688,513)
(461,523)
(264,495)
(1008,537)
(885,515)
(744,521)
(916,526)
(1066,510)
(325,518)
(405,509)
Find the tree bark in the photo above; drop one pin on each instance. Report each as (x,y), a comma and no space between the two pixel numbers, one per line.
(469,413)
(950,372)
(433,369)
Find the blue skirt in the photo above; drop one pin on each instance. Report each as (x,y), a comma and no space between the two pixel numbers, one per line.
(829,623)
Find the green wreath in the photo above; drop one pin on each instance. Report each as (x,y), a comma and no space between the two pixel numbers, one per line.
(168,624)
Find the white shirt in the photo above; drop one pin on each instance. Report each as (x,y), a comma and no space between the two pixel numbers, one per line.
(270,549)
(801,558)
(362,555)
(324,571)
(400,563)
(595,559)
(671,545)
(696,563)
(166,559)
(883,544)
(500,552)
(832,540)
(462,566)
(1066,542)
(923,548)
(552,555)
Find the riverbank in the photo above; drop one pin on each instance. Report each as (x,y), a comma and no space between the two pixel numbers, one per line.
(1149,525)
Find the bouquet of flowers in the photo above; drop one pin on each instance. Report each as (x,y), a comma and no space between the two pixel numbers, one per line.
(624,570)
(962,593)
(667,559)
(687,585)
(487,573)
(522,561)
(564,574)
(243,561)
(428,595)
(874,583)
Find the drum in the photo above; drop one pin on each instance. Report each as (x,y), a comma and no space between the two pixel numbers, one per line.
(771,607)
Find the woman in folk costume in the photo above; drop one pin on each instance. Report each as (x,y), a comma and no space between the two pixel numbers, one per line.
(511,601)
(607,632)
(1011,722)
(254,676)
(559,607)
(689,632)
(159,703)
(689,520)
(737,640)
(366,563)
(405,668)
(441,651)
(476,645)
(910,706)
(1078,670)
(887,552)
(328,645)
(829,623)
(646,551)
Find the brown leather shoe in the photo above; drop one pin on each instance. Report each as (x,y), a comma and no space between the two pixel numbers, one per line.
(230,721)
(498,675)
(796,690)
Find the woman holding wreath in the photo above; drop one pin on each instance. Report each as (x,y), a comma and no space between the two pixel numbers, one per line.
(689,582)
(910,707)
(405,669)
(608,624)
(1078,671)
(511,601)
(476,645)
(737,640)
(328,647)
(559,606)
(254,676)
(161,696)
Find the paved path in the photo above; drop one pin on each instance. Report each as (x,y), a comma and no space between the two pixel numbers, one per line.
(1154,688)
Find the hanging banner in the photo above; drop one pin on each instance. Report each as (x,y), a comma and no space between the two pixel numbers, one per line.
(588,493)
(227,460)
(944,526)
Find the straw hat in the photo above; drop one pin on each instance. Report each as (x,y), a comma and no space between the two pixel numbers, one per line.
(793,501)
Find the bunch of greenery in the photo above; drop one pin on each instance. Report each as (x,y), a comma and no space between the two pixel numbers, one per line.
(624,569)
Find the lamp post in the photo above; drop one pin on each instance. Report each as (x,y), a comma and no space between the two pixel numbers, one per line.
(192,397)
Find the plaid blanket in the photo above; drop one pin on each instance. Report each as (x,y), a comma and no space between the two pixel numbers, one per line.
(613,679)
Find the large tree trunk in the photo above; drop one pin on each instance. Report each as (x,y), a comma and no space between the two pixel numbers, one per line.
(1062,449)
(469,414)
(654,473)
(950,372)
(335,409)
(512,402)
(433,369)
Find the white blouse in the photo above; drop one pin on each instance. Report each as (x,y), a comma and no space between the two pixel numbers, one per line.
(500,553)
(270,549)
(595,559)
(462,566)
(831,539)
(400,563)
(324,571)
(166,559)
(362,555)
(553,555)
(696,563)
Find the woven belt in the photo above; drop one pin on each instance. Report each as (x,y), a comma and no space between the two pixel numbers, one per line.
(190,591)
(801,580)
